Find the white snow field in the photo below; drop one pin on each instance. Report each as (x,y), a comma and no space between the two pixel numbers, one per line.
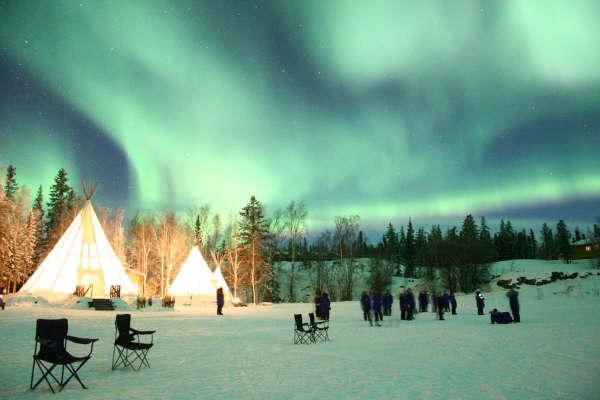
(248,354)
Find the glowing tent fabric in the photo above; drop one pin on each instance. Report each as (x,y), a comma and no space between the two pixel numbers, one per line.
(220,282)
(82,256)
(194,279)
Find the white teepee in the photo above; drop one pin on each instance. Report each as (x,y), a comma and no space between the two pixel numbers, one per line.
(82,256)
(220,282)
(194,279)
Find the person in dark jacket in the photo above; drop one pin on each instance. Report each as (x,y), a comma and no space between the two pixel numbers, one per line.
(446,300)
(220,301)
(423,301)
(513,301)
(402,298)
(434,303)
(325,306)
(452,300)
(318,305)
(410,303)
(365,304)
(500,317)
(377,304)
(479,299)
(439,299)
(388,300)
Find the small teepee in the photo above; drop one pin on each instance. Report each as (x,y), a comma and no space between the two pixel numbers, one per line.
(82,257)
(195,279)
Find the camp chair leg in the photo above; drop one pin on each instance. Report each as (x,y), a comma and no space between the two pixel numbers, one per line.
(74,374)
(45,371)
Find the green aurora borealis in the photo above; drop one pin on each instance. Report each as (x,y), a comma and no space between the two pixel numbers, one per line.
(384,109)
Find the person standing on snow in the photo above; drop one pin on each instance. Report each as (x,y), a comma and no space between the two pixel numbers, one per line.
(325,306)
(365,304)
(439,299)
(452,299)
(402,298)
(513,301)
(318,304)
(410,304)
(388,300)
(479,299)
(423,301)
(220,301)
(377,303)
(446,298)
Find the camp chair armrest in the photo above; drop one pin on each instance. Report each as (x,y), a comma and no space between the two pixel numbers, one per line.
(136,332)
(79,340)
(47,342)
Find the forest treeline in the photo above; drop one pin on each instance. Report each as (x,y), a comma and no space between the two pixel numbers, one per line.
(249,245)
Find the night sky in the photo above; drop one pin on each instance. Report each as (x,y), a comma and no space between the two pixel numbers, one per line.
(392,109)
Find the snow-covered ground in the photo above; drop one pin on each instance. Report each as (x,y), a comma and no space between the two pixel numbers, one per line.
(248,354)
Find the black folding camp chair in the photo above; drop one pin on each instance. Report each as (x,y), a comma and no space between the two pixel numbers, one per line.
(303,332)
(320,328)
(128,348)
(51,336)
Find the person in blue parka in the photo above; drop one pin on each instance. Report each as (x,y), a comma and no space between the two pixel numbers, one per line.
(388,300)
(446,301)
(439,298)
(377,304)
(410,304)
(452,299)
(479,299)
(325,306)
(365,304)
(513,301)
(498,317)
(318,304)
(402,300)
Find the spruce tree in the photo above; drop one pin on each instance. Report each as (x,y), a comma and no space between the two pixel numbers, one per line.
(577,234)
(58,206)
(253,230)
(563,240)
(38,214)
(420,248)
(11,186)
(198,231)
(522,246)
(532,244)
(547,251)
(409,251)
(485,238)
(392,248)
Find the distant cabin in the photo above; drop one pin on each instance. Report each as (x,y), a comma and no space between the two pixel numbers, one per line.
(586,248)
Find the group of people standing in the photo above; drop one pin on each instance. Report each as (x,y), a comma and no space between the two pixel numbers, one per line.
(440,303)
(376,304)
